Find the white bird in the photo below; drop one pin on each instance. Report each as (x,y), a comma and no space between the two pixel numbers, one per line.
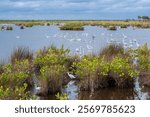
(135,60)
(137,44)
(124,36)
(38,89)
(77,50)
(55,35)
(17,37)
(89,47)
(71,76)
(47,36)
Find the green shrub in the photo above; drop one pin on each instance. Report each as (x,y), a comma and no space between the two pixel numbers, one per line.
(51,65)
(14,80)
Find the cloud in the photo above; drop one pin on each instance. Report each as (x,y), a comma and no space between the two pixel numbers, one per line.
(73,8)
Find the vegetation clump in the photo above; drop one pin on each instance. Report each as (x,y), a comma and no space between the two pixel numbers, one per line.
(13,80)
(123,26)
(51,63)
(21,53)
(144,64)
(9,28)
(72,26)
(113,28)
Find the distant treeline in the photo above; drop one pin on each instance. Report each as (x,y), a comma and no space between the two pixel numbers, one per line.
(144,18)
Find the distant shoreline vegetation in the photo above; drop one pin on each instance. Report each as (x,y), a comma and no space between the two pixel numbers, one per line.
(142,22)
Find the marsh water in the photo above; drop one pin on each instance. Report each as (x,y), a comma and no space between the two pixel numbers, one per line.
(92,39)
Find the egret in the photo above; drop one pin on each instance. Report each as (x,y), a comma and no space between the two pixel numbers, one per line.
(124,36)
(55,35)
(112,40)
(135,60)
(89,47)
(137,44)
(71,76)
(17,37)
(37,88)
(77,50)
(47,36)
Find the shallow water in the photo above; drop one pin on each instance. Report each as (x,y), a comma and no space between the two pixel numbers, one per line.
(92,39)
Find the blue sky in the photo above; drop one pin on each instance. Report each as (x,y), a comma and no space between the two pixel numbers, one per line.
(73,9)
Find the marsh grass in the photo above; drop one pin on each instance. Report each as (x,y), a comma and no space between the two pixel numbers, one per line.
(21,53)
(72,26)
(112,50)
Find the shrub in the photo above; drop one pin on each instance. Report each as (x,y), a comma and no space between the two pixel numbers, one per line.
(50,65)
(122,72)
(18,93)
(144,64)
(14,80)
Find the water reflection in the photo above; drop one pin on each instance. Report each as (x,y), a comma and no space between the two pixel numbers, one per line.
(108,94)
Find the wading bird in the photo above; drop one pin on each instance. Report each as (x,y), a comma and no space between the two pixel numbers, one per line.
(71,76)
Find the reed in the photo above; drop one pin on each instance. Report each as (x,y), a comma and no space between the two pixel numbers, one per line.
(21,53)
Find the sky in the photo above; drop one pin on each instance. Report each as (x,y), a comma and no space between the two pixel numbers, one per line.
(73,9)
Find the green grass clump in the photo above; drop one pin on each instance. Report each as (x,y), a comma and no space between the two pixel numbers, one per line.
(72,26)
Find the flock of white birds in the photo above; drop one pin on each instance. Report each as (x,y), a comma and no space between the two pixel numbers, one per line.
(89,39)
